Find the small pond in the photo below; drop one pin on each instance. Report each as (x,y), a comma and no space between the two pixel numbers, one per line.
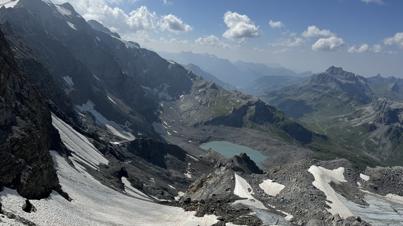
(228,150)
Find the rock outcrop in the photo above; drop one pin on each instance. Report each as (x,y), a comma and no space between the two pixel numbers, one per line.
(25,131)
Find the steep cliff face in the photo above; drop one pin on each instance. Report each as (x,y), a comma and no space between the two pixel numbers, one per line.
(25,131)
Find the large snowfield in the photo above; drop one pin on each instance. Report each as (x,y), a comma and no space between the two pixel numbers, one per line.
(94,203)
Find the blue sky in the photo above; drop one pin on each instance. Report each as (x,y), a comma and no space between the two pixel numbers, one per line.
(364,36)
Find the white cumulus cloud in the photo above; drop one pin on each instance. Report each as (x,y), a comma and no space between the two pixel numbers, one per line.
(138,20)
(315,32)
(239,26)
(397,39)
(359,49)
(174,24)
(363,48)
(328,44)
(211,40)
(276,24)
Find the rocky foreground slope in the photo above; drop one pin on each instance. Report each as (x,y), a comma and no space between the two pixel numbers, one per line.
(25,133)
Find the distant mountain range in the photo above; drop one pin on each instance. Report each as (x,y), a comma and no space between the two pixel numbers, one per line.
(361,113)
(243,76)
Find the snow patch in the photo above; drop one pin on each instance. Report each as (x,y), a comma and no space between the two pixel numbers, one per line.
(271,188)
(63,11)
(113,127)
(111,100)
(395,198)
(179,196)
(232,224)
(323,178)
(364,177)
(244,190)
(192,157)
(188,174)
(134,192)
(68,80)
(71,25)
(82,149)
(8,3)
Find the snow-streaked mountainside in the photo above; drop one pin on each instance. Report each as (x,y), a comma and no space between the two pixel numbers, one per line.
(92,202)
(113,135)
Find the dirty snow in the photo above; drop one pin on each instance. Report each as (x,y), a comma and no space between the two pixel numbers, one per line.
(82,149)
(112,126)
(323,178)
(271,188)
(382,210)
(96,204)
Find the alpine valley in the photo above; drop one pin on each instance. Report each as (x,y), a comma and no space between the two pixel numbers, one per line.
(96,130)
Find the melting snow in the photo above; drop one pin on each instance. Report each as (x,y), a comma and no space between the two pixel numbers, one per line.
(113,127)
(192,157)
(83,150)
(179,196)
(271,188)
(244,190)
(323,178)
(96,204)
(395,198)
(8,3)
(111,100)
(364,177)
(382,210)
(68,80)
(188,174)
(134,192)
(71,25)
(63,11)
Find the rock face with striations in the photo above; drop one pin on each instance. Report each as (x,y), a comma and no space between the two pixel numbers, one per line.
(25,126)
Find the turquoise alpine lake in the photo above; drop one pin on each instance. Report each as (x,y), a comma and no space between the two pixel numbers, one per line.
(229,150)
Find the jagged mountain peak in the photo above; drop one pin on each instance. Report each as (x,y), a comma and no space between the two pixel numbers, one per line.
(334,73)
(48,8)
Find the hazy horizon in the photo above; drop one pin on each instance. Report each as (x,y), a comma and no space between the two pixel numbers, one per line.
(362,36)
